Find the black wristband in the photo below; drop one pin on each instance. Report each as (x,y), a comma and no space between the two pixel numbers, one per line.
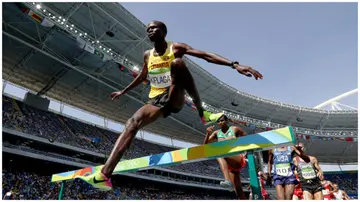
(233,63)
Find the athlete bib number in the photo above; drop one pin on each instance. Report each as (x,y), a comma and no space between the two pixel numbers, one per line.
(283,169)
(162,80)
(308,172)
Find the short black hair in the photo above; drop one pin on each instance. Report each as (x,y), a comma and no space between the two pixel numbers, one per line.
(161,25)
(225,117)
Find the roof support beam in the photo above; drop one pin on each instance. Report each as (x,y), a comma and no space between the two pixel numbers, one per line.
(121,24)
(92,22)
(290,121)
(133,47)
(92,77)
(337,98)
(102,35)
(323,121)
(252,107)
(73,10)
(272,114)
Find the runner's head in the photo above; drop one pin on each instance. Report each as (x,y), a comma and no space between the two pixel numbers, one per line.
(156,31)
(335,186)
(222,121)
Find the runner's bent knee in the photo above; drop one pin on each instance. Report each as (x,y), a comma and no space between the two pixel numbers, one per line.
(177,63)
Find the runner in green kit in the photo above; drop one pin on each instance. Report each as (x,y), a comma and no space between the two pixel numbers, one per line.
(230,166)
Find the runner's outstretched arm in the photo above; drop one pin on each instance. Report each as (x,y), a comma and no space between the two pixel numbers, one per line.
(141,77)
(138,79)
(320,173)
(239,132)
(185,49)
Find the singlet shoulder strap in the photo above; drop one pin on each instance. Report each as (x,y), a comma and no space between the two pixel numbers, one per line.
(151,52)
(170,46)
(218,132)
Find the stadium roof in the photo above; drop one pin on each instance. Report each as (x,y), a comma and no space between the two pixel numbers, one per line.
(77,62)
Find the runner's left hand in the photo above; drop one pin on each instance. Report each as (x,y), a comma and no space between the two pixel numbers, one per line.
(320,175)
(248,71)
(210,129)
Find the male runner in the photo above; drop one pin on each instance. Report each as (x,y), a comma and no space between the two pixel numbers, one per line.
(169,78)
(284,177)
(310,175)
(232,164)
(340,194)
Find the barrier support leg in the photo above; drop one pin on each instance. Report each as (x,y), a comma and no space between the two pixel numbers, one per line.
(61,193)
(254,181)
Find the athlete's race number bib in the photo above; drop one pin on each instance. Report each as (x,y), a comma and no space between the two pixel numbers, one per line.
(160,80)
(283,169)
(308,172)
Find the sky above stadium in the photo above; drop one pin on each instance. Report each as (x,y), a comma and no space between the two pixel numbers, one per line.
(307,52)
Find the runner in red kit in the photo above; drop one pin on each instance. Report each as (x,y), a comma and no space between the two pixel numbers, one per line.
(298,192)
(328,192)
(262,178)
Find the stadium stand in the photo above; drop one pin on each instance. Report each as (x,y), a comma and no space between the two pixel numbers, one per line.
(29,120)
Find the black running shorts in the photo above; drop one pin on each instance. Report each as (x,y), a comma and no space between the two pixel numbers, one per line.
(311,186)
(162,101)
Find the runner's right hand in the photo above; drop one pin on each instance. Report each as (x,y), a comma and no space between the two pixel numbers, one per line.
(268,178)
(116,95)
(210,129)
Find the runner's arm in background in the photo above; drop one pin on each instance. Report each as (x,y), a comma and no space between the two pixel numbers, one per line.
(320,173)
(210,135)
(239,132)
(270,164)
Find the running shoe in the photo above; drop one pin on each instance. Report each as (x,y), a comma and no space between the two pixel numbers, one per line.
(209,117)
(98,180)
(227,185)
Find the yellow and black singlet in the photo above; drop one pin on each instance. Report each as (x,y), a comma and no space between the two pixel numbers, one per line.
(159,71)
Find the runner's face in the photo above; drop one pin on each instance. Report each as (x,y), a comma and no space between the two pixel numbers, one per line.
(221,122)
(154,32)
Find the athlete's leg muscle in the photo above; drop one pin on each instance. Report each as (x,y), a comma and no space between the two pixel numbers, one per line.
(181,76)
(318,196)
(308,195)
(236,181)
(280,192)
(224,168)
(234,161)
(142,117)
(289,191)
